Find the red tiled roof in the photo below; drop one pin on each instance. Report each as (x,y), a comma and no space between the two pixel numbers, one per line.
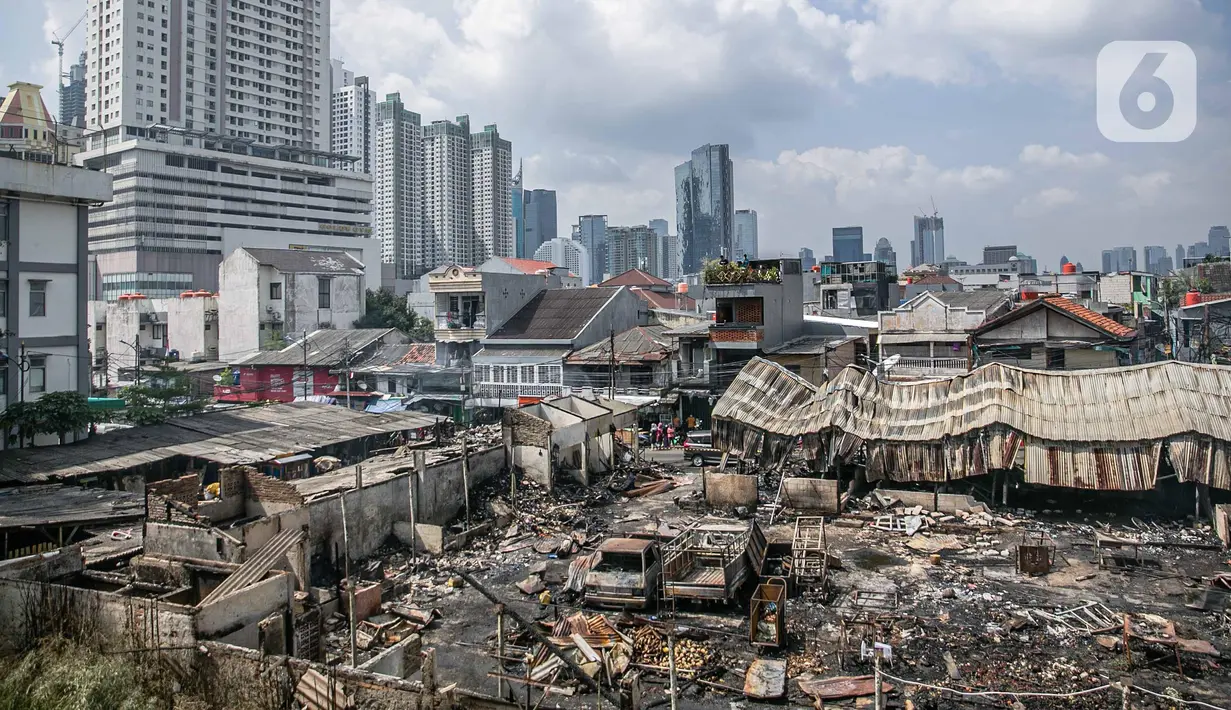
(528,266)
(636,277)
(666,301)
(935,280)
(419,354)
(1089,317)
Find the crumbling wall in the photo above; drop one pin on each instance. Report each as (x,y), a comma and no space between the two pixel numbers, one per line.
(372,510)
(527,430)
(268,496)
(728,490)
(183,490)
(179,541)
(246,607)
(233,488)
(814,495)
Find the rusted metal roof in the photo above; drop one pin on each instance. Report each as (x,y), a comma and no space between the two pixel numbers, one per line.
(642,344)
(1085,429)
(625,545)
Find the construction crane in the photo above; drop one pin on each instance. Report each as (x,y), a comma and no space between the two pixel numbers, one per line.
(58,41)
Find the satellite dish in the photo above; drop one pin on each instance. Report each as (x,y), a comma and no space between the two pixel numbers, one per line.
(890,361)
(217,378)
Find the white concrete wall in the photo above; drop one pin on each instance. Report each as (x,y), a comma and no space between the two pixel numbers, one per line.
(240,306)
(192,327)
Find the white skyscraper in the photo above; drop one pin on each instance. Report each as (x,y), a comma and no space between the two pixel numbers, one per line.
(354,121)
(569,253)
(492,182)
(398,190)
(251,70)
(214,117)
(448,210)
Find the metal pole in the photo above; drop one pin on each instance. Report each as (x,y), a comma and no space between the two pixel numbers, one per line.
(500,650)
(880,692)
(671,664)
(611,374)
(350,585)
(466,479)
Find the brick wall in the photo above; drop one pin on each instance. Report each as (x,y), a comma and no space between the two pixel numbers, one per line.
(233,480)
(748,312)
(527,430)
(735,335)
(163,498)
(263,489)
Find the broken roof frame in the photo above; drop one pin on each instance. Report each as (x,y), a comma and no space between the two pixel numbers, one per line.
(1071,427)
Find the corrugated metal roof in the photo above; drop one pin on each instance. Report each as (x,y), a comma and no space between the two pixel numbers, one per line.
(305,261)
(249,435)
(65,505)
(645,343)
(555,314)
(1086,429)
(1128,404)
(326,347)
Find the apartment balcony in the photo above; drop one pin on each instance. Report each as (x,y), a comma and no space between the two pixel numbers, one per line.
(926,368)
(460,327)
(737,336)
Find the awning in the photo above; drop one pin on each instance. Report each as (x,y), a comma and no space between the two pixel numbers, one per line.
(105,403)
(293,459)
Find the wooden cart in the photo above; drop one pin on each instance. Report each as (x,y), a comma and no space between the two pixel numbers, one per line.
(767,615)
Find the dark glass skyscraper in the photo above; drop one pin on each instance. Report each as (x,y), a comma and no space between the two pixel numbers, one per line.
(539,218)
(705,206)
(847,244)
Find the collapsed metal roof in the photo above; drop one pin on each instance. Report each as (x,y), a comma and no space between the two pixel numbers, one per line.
(1085,429)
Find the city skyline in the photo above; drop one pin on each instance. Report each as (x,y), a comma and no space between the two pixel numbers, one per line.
(1036,173)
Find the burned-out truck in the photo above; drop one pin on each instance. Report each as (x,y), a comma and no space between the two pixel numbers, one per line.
(626,574)
(712,559)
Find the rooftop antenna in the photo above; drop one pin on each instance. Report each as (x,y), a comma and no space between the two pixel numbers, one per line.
(58,41)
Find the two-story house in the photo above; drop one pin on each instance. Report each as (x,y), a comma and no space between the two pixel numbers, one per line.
(757,307)
(473,302)
(267,295)
(1056,333)
(523,360)
(930,333)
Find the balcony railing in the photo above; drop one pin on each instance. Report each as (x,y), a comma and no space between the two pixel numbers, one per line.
(717,273)
(929,367)
(461,321)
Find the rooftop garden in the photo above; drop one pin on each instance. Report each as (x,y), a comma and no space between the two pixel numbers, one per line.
(733,272)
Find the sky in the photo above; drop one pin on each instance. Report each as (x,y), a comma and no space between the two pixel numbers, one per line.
(838,112)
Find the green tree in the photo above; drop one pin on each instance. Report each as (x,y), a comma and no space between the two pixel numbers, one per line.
(20,422)
(61,412)
(384,309)
(164,392)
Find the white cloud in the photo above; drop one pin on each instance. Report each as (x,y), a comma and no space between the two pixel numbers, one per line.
(1045,201)
(1147,187)
(963,41)
(1053,157)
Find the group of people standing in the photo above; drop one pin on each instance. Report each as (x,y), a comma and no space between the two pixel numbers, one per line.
(664,436)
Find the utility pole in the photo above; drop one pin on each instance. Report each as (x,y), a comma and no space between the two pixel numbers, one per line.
(306,374)
(346,368)
(135,345)
(611,374)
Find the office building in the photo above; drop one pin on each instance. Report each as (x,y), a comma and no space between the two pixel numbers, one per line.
(746,241)
(354,123)
(448,216)
(705,206)
(43,278)
(807,258)
(492,182)
(847,244)
(72,95)
(660,227)
(1199,251)
(1165,266)
(1119,259)
(591,231)
(1154,256)
(633,248)
(884,253)
(1179,256)
(569,253)
(928,246)
(539,219)
(999,254)
(214,104)
(1219,241)
(397,196)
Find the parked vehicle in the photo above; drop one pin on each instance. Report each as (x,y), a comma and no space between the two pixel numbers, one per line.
(626,575)
(699,449)
(712,560)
